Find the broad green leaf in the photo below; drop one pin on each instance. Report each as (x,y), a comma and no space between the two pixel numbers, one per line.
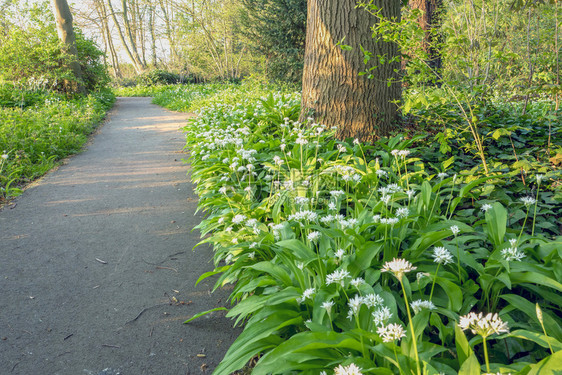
(496,220)
(551,365)
(537,338)
(464,351)
(470,366)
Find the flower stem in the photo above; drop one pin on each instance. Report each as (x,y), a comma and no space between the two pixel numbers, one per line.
(434,280)
(486,354)
(414,341)
(535,213)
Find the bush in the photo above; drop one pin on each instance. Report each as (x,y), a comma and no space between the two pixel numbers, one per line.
(158,77)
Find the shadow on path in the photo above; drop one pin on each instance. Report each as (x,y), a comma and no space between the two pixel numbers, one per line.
(101,240)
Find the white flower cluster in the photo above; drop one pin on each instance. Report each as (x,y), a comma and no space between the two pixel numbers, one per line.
(238,219)
(307,294)
(391,332)
(419,305)
(483,325)
(371,300)
(528,201)
(401,153)
(381,315)
(442,255)
(398,267)
(337,277)
(304,215)
(352,369)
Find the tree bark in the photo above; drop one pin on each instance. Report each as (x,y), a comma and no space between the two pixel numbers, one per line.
(139,68)
(429,20)
(63,18)
(333,92)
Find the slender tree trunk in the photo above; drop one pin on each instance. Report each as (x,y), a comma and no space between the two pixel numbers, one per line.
(334,93)
(152,34)
(63,18)
(430,20)
(138,67)
(130,35)
(102,14)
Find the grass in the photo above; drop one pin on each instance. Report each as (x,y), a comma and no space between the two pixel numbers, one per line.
(38,129)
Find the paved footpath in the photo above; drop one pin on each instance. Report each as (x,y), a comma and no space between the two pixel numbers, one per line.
(97,271)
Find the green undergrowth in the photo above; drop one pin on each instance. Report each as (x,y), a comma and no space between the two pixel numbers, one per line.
(39,128)
(345,255)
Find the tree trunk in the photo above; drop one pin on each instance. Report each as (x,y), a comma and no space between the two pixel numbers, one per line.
(333,92)
(63,18)
(139,68)
(429,20)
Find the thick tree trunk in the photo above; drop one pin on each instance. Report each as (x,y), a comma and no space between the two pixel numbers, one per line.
(333,92)
(429,20)
(63,18)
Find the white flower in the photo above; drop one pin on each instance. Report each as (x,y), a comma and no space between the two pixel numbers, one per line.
(485,207)
(355,304)
(385,199)
(337,193)
(419,304)
(421,275)
(402,212)
(455,229)
(300,265)
(328,306)
(381,315)
(404,153)
(331,206)
(513,241)
(381,173)
(356,141)
(483,325)
(442,256)
(282,146)
(337,277)
(301,201)
(228,230)
(277,160)
(391,221)
(398,267)
(356,282)
(252,255)
(313,236)
(341,148)
(307,294)
(349,370)
(301,141)
(410,193)
(528,201)
(394,152)
(377,218)
(442,175)
(238,219)
(339,254)
(373,300)
(222,190)
(250,167)
(539,178)
(391,332)
(512,253)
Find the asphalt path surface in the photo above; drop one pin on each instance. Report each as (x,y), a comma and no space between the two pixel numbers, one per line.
(97,271)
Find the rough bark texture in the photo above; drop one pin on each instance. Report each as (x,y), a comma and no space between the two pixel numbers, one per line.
(334,93)
(430,19)
(63,18)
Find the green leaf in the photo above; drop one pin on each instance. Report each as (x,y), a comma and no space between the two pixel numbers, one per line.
(537,338)
(496,220)
(314,344)
(464,351)
(205,313)
(470,366)
(551,365)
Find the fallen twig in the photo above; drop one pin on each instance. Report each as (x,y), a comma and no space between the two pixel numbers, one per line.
(145,309)
(69,336)
(101,261)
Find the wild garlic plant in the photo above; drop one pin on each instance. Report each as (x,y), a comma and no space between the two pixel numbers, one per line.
(321,238)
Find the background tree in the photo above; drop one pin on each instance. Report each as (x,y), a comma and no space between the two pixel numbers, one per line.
(334,93)
(65,31)
(430,22)
(276,29)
